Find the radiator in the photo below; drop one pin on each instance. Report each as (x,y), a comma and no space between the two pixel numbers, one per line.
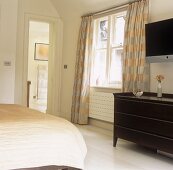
(101,106)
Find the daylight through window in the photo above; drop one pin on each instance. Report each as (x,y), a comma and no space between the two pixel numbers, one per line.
(107,51)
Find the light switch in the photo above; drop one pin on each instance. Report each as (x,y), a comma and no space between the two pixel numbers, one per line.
(65,66)
(7,63)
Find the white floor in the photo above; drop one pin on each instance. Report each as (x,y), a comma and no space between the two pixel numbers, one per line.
(126,156)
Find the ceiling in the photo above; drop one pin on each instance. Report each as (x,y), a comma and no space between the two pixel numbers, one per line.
(68,8)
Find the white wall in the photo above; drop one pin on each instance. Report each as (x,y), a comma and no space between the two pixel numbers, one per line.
(70,12)
(8,30)
(12,21)
(160,10)
(71,23)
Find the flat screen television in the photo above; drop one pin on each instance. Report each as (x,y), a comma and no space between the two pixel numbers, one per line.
(159,41)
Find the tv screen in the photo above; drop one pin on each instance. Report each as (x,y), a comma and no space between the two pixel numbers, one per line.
(159,41)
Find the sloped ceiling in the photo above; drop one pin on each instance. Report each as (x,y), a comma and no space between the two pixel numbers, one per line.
(81,7)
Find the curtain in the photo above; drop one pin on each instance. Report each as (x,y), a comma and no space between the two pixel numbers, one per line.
(135,69)
(80,99)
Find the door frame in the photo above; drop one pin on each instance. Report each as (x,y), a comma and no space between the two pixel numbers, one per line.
(54,71)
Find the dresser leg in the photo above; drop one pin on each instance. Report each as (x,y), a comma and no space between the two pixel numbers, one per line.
(115,141)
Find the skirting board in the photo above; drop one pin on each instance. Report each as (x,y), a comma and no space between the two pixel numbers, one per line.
(101,124)
(94,122)
(165,153)
(64,115)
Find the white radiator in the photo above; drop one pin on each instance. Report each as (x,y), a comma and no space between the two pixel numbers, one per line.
(101,106)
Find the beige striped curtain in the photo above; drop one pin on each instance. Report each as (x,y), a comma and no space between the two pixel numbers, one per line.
(80,100)
(135,69)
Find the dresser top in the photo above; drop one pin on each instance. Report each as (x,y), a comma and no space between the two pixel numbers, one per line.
(147,97)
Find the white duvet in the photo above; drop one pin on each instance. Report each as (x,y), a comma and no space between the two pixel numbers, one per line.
(29,138)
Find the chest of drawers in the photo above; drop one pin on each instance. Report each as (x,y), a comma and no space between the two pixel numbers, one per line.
(145,120)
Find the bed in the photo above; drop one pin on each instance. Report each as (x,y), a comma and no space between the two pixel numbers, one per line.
(31,140)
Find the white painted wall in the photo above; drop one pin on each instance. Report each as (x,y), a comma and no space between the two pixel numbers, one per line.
(11,38)
(160,10)
(8,30)
(70,12)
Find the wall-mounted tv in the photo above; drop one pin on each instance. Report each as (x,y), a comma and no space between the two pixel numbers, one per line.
(159,41)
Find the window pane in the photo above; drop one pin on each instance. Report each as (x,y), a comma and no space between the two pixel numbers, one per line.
(116,67)
(102,33)
(107,50)
(118,33)
(99,68)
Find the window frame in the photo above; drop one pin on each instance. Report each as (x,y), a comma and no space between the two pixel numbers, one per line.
(110,47)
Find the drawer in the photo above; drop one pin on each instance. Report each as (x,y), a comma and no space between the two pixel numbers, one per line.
(146,109)
(145,139)
(158,127)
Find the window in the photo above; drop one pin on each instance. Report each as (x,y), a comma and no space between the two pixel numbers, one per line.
(107,51)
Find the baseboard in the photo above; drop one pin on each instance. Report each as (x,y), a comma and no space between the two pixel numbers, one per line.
(101,124)
(63,115)
(94,122)
(165,153)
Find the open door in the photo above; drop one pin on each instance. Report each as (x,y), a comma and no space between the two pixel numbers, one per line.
(38,58)
(53,77)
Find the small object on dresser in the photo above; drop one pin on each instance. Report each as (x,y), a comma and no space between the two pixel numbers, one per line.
(159,79)
(138,93)
(159,90)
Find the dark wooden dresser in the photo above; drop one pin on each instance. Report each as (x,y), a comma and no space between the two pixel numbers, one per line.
(145,120)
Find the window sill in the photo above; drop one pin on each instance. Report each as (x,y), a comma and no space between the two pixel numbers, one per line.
(106,87)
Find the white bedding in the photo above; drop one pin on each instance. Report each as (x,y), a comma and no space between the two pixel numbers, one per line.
(29,138)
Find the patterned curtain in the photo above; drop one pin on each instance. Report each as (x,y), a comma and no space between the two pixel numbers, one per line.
(80,100)
(135,69)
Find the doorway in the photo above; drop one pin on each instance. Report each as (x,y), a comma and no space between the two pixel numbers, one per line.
(54,63)
(38,58)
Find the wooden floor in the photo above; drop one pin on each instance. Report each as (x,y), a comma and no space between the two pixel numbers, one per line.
(126,156)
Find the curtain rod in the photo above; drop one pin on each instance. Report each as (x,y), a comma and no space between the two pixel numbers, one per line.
(110,9)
